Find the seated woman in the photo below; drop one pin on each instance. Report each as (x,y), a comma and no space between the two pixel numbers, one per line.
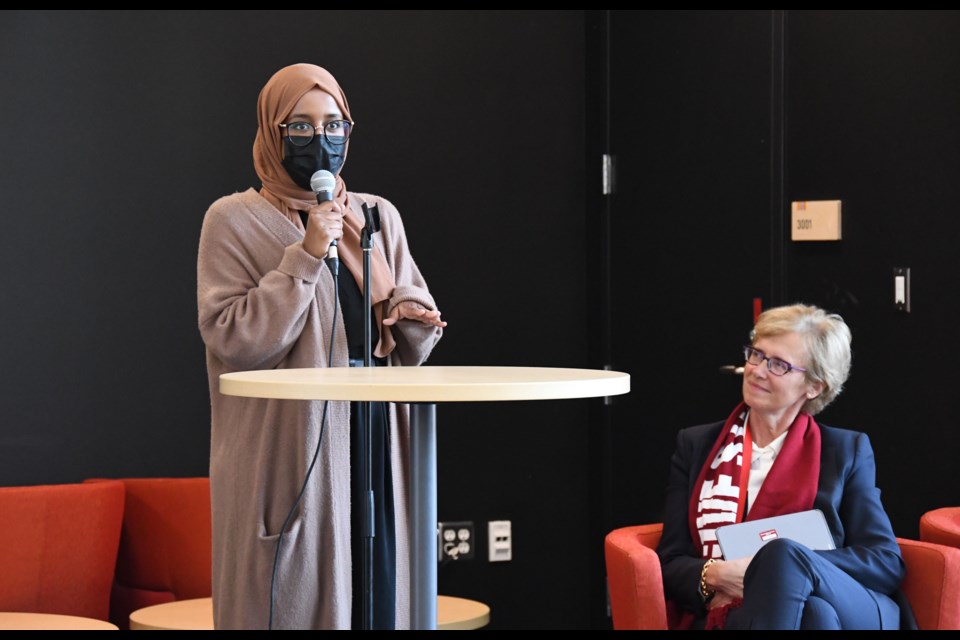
(796,365)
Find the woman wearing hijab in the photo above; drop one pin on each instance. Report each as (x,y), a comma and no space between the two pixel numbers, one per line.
(267,300)
(770,457)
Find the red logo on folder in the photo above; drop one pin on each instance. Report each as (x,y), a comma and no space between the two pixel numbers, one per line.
(769,534)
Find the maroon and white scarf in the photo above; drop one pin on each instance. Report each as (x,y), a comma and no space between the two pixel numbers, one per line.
(720,493)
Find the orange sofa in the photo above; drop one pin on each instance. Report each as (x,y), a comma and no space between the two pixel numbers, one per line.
(165,545)
(58,547)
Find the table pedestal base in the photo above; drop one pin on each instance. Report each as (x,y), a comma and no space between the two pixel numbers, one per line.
(423,516)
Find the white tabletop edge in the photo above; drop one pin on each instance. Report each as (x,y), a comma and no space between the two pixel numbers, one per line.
(426,384)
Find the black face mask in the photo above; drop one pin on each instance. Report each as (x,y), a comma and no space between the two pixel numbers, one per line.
(302,162)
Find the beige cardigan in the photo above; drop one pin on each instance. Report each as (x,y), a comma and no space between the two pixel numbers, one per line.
(265,303)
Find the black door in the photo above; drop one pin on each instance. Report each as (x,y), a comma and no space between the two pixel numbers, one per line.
(684,107)
(690,226)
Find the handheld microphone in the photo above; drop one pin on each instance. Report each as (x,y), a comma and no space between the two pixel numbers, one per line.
(323,184)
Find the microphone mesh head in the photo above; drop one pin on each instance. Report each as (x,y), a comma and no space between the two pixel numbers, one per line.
(323,180)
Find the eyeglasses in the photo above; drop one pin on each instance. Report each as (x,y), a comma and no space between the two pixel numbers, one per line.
(776,366)
(301,133)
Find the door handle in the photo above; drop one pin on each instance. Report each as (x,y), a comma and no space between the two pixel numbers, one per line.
(732,369)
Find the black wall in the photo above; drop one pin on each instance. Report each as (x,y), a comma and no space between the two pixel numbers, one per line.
(119,130)
(874,120)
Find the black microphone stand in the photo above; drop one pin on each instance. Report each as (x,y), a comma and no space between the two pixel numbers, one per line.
(371,217)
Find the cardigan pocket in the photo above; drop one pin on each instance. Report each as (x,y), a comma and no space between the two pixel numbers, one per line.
(292,529)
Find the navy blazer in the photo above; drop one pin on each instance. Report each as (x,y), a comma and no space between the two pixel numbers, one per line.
(847,495)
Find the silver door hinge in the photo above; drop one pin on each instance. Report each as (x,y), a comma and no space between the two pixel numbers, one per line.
(609,168)
(607,400)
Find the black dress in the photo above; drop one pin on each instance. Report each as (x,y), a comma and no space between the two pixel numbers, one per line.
(384,548)
(384,541)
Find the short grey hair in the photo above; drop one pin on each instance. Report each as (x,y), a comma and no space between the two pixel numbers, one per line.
(827,339)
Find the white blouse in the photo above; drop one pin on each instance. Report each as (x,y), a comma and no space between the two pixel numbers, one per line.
(761,459)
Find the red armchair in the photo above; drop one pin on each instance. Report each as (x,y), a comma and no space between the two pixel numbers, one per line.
(635,581)
(932,585)
(58,548)
(165,546)
(941,526)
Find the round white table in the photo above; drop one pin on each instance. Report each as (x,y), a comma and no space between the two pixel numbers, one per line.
(197,615)
(180,615)
(51,622)
(461,613)
(423,388)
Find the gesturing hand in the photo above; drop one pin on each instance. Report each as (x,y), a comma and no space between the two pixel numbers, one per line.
(409,310)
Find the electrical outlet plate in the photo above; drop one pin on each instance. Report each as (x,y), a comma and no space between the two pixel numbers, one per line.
(455,541)
(500,540)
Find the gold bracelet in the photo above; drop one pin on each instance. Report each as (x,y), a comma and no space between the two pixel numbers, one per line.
(703,580)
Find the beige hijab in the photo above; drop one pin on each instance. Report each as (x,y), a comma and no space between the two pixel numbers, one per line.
(276,102)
